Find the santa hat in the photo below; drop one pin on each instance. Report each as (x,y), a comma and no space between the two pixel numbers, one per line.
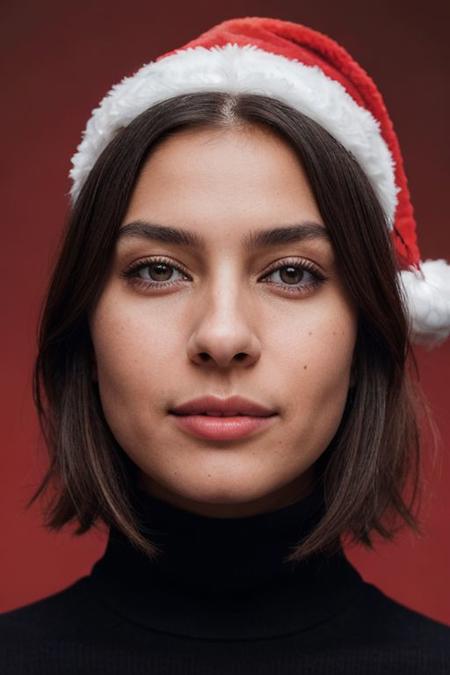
(315,75)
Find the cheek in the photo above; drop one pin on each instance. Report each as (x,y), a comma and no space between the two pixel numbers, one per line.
(315,357)
(132,351)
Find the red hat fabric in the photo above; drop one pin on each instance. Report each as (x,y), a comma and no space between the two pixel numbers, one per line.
(314,74)
(312,48)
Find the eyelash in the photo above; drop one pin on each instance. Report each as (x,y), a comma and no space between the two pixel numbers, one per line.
(131,274)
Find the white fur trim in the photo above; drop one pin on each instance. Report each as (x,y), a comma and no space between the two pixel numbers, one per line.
(427,295)
(236,69)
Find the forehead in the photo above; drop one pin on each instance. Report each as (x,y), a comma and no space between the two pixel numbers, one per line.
(199,184)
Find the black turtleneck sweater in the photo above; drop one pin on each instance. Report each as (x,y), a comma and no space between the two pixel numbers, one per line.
(221,599)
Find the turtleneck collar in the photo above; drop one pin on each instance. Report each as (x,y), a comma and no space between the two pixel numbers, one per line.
(223,577)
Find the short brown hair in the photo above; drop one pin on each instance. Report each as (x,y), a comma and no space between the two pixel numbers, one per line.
(376,448)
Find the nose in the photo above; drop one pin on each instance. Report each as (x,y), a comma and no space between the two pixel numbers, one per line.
(223,334)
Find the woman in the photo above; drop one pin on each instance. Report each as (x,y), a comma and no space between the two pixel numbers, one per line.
(241,245)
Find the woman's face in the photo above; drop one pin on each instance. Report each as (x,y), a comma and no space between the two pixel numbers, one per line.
(272,323)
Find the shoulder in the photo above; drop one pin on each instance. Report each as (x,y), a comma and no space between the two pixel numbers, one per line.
(400,633)
(397,619)
(32,636)
(51,611)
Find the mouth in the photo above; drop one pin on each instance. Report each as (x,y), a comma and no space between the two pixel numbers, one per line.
(219,414)
(222,426)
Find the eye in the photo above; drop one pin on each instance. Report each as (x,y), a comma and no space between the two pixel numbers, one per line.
(297,276)
(152,273)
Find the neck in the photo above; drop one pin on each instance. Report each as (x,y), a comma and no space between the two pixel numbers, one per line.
(224,554)
(208,567)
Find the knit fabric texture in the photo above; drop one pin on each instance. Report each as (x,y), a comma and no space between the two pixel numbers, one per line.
(221,598)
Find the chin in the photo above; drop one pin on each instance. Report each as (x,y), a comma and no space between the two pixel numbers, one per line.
(219,500)
(219,494)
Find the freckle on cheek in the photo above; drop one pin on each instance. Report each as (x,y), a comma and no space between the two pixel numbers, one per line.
(305,367)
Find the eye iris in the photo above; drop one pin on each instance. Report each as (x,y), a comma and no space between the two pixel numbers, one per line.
(292,274)
(158,266)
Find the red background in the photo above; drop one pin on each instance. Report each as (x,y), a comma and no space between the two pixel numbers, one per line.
(59,60)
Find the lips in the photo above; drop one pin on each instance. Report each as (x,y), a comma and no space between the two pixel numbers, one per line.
(215,419)
(220,414)
(223,428)
(217,407)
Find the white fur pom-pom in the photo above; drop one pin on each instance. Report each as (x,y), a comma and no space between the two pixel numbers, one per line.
(427,296)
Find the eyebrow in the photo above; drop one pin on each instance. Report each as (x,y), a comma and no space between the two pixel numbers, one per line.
(306,230)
